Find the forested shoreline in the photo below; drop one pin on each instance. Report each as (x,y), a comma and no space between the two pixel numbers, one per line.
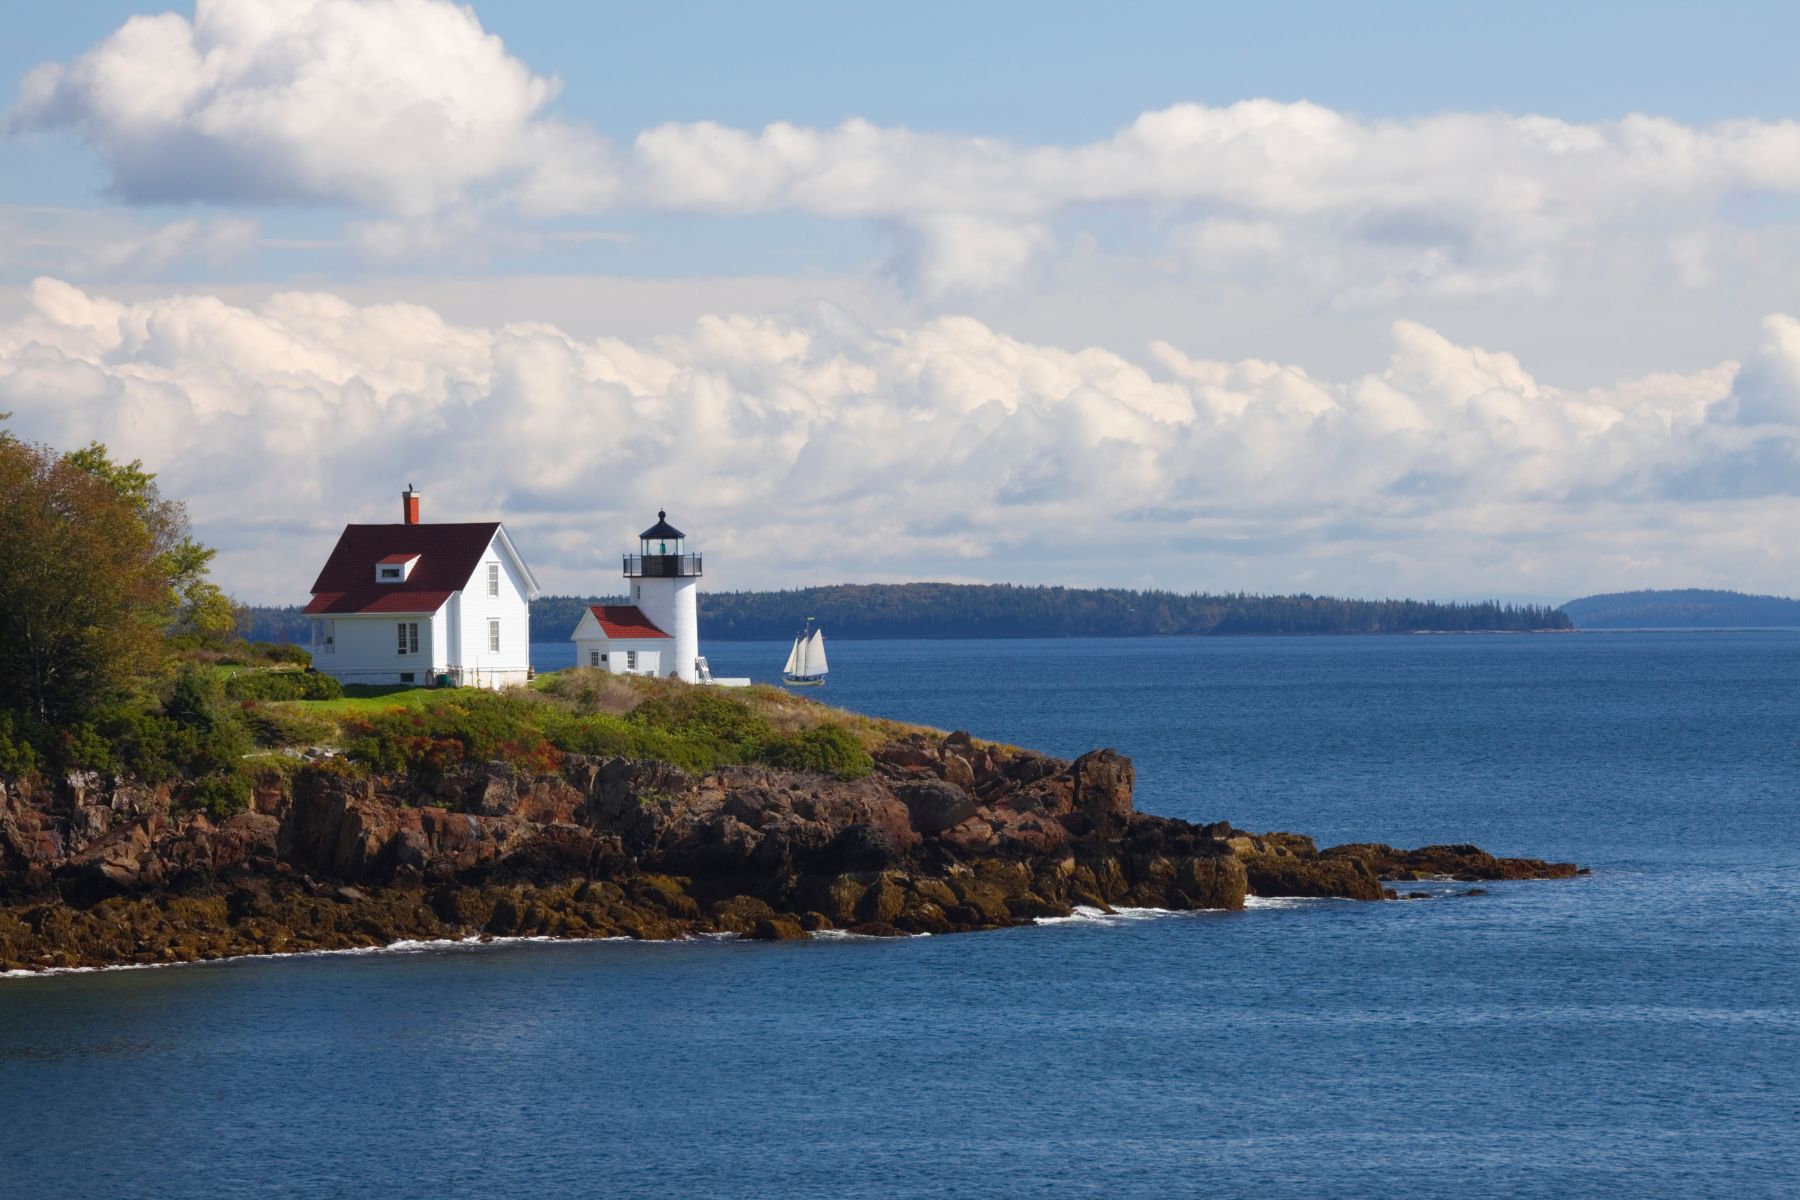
(948,610)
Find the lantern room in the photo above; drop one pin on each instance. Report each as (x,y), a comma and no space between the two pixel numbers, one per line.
(660,554)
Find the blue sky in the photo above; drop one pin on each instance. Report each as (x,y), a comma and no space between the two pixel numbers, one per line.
(1441,299)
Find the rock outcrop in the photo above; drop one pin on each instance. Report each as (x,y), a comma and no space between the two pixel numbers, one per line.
(948,835)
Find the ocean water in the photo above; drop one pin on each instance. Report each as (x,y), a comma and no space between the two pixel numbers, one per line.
(1632,1033)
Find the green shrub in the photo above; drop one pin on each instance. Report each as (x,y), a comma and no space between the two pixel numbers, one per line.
(587,690)
(311,774)
(193,733)
(825,749)
(18,757)
(277,727)
(464,726)
(282,652)
(222,795)
(282,685)
(607,736)
(702,727)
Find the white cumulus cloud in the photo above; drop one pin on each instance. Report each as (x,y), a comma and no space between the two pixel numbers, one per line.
(810,448)
(401,106)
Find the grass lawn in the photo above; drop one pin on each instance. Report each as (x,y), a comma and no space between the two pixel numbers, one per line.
(366,699)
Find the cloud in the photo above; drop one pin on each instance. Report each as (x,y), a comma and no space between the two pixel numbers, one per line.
(411,113)
(811,448)
(1767,390)
(399,106)
(1474,201)
(87,244)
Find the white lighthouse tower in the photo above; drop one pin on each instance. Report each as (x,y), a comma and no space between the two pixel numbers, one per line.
(665,586)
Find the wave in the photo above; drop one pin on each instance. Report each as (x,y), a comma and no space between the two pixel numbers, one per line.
(1083,914)
(1267,902)
(1088,915)
(403,946)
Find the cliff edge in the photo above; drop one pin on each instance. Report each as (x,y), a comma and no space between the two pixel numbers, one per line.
(947,835)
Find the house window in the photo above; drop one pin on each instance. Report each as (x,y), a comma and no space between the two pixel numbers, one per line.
(409,677)
(408,633)
(390,572)
(631,660)
(593,658)
(493,579)
(494,637)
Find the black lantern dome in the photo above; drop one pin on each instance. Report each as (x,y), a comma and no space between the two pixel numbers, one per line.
(659,553)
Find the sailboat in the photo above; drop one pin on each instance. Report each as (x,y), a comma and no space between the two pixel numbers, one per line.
(806,661)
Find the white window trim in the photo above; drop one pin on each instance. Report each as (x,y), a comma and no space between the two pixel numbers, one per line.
(407,636)
(493,635)
(631,660)
(493,579)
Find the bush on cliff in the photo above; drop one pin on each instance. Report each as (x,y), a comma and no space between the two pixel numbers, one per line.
(223,795)
(193,733)
(17,755)
(282,685)
(825,749)
(275,726)
(463,726)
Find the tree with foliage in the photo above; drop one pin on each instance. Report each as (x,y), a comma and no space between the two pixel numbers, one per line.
(97,568)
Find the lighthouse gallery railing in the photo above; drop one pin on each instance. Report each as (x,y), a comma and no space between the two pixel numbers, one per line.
(661,566)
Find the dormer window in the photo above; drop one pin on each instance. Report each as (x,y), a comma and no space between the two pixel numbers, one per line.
(395,568)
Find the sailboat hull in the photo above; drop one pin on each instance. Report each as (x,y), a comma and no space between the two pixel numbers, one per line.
(803,680)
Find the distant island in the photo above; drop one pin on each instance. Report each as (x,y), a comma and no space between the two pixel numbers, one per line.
(953,610)
(1683,608)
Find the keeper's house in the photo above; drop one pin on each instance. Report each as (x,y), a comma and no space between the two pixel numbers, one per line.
(423,604)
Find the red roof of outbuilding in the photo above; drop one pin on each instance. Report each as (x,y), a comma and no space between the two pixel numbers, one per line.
(624,621)
(447,554)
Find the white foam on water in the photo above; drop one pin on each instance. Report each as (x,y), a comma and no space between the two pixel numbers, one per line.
(1088,915)
(1251,902)
(403,946)
(1083,914)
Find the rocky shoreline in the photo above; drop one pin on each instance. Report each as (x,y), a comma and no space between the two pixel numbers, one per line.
(949,835)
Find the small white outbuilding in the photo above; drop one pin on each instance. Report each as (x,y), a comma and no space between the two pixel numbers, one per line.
(621,639)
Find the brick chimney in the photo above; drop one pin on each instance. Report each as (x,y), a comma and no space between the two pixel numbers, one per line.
(409,502)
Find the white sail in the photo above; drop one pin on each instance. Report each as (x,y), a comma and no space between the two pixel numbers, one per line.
(794,657)
(815,654)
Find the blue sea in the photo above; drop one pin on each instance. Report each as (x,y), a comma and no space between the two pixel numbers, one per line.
(1631,1033)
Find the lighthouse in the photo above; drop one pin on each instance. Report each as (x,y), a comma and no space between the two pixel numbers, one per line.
(665,587)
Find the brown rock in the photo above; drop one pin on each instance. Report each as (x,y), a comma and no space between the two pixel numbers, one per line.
(1103,785)
(777,929)
(935,805)
(883,901)
(1286,875)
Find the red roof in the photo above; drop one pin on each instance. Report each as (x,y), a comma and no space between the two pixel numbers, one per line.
(447,554)
(624,621)
(396,559)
